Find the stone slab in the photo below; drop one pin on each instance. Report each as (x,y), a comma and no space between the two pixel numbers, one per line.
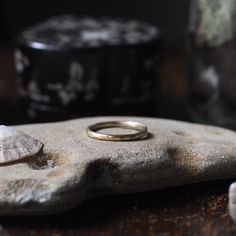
(74,167)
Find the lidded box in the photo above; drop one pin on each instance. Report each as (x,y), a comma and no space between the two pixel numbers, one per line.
(78,66)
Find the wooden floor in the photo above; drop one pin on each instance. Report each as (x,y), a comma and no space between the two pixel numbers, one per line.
(197,209)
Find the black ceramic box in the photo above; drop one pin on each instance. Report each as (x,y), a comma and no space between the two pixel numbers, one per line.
(79,66)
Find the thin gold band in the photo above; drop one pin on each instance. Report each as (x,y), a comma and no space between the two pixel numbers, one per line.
(140,128)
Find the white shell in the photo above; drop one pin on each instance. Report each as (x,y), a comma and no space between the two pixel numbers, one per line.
(15,145)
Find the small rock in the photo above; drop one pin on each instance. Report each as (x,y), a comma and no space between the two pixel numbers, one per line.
(74,167)
(232,201)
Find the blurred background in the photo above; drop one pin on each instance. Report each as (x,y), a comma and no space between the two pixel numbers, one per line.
(170,17)
(185,71)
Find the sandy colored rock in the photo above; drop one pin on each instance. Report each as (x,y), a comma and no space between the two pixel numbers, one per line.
(74,167)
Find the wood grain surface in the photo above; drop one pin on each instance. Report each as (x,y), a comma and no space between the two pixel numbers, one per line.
(198,209)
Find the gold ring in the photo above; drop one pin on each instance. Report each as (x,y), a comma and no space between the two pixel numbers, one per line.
(140,128)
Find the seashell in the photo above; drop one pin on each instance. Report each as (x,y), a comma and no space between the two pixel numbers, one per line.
(16,145)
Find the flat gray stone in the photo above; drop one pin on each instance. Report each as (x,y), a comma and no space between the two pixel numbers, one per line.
(74,167)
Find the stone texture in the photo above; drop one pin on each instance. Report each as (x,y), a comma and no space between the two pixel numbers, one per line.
(74,167)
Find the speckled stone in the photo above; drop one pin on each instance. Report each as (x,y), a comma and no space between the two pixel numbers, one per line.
(74,167)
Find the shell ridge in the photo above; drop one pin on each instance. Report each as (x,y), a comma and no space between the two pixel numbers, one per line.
(16,145)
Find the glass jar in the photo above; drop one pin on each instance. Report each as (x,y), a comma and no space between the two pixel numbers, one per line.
(212,57)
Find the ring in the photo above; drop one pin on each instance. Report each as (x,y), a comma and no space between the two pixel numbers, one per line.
(141,130)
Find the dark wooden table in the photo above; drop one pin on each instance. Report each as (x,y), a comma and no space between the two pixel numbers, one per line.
(197,209)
